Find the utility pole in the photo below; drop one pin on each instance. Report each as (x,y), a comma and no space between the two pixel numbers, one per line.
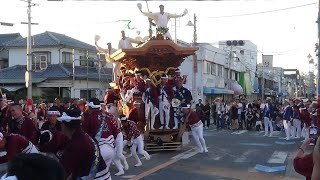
(29,55)
(229,68)
(194,60)
(262,80)
(318,77)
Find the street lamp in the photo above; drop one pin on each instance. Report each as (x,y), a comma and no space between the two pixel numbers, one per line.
(194,57)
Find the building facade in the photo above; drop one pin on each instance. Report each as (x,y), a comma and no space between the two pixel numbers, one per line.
(61,66)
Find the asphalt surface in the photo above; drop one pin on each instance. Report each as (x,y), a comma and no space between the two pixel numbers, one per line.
(232,155)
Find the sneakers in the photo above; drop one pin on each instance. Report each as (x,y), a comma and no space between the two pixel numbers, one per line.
(119,173)
(147,156)
(126,166)
(138,164)
(205,150)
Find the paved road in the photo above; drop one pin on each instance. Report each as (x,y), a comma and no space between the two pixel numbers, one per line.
(232,155)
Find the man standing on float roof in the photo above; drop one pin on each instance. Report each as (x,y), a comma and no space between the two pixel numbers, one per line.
(162,18)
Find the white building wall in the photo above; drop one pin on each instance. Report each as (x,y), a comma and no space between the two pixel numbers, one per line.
(247,54)
(82,85)
(206,53)
(18,56)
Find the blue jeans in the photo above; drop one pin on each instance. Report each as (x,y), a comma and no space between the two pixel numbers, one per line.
(220,122)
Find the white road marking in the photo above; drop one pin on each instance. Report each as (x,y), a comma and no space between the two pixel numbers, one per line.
(243,157)
(217,158)
(278,157)
(128,176)
(240,132)
(276,133)
(181,154)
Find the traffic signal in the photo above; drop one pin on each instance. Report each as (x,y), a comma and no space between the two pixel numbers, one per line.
(235,43)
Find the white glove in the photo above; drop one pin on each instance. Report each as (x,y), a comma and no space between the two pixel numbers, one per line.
(139,6)
(97,38)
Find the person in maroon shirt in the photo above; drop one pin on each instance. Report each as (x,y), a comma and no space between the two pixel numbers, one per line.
(23,125)
(303,163)
(132,134)
(51,134)
(41,114)
(134,115)
(14,144)
(111,101)
(192,119)
(80,155)
(105,133)
(5,115)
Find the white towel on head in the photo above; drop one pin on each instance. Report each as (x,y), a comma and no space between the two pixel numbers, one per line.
(5,177)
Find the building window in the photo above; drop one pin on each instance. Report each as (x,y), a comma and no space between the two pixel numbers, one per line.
(40,60)
(236,77)
(220,70)
(213,69)
(226,73)
(88,94)
(86,62)
(66,58)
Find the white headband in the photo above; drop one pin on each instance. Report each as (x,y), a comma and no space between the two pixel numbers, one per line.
(1,136)
(136,103)
(53,113)
(90,104)
(123,118)
(67,118)
(187,107)
(50,134)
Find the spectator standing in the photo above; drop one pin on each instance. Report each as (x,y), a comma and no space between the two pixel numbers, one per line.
(206,113)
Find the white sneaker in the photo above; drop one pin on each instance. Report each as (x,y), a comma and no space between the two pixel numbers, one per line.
(147,156)
(138,164)
(176,127)
(205,150)
(161,127)
(126,166)
(265,135)
(167,127)
(119,173)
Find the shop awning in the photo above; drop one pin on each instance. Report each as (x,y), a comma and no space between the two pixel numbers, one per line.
(12,88)
(210,90)
(236,88)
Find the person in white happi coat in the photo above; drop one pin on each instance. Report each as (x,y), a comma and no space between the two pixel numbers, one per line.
(126,42)
(162,18)
(165,96)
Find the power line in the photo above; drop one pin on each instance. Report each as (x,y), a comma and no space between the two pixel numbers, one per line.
(263,12)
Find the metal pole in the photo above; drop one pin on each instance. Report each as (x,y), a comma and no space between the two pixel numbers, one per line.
(262,88)
(175,30)
(229,69)
(194,60)
(29,55)
(73,73)
(100,88)
(318,78)
(87,58)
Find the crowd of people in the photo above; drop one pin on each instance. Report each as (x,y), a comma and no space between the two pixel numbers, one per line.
(86,136)
(295,116)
